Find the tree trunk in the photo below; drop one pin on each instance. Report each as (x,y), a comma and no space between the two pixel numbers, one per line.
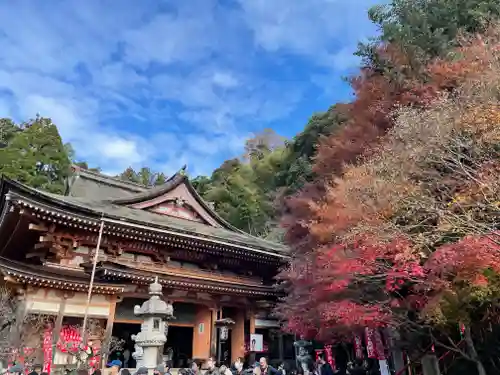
(480,368)
(471,348)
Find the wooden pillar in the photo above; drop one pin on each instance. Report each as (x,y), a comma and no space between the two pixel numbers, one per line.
(238,336)
(252,322)
(281,346)
(59,320)
(109,329)
(202,333)
(213,332)
(16,332)
(65,295)
(252,331)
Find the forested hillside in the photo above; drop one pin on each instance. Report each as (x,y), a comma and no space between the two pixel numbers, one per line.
(399,226)
(247,190)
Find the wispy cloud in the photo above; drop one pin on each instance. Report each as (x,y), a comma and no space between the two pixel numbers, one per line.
(166,83)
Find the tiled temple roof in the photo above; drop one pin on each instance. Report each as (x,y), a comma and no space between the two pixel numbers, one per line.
(121,273)
(84,208)
(45,276)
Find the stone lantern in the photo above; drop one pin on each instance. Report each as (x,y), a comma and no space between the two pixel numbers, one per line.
(150,340)
(302,355)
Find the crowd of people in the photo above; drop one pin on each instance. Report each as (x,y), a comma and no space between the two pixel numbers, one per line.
(320,367)
(195,368)
(262,367)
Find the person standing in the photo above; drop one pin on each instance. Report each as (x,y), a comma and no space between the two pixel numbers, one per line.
(16,370)
(161,370)
(115,366)
(324,367)
(357,368)
(37,370)
(169,357)
(211,369)
(238,366)
(126,358)
(223,370)
(265,369)
(194,369)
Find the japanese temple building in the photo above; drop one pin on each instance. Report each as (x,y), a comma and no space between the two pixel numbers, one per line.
(209,270)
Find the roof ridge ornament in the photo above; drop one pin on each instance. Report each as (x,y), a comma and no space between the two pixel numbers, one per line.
(182,171)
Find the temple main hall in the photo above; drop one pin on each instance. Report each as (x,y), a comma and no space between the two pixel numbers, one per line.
(210,271)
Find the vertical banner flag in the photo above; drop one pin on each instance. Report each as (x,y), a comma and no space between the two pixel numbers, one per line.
(358,346)
(379,345)
(47,349)
(370,345)
(318,353)
(329,357)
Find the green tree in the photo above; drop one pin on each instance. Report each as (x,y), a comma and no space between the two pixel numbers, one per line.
(84,165)
(145,176)
(129,175)
(201,184)
(262,144)
(297,169)
(426,28)
(8,130)
(35,155)
(246,191)
(161,178)
(237,198)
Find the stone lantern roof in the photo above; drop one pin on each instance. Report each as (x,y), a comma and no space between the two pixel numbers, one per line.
(155,306)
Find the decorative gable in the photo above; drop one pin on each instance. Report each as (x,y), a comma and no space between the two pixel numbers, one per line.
(177,200)
(177,208)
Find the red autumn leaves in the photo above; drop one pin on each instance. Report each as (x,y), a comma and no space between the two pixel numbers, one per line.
(396,224)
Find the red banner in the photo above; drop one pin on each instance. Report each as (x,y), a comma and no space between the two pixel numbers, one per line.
(358,347)
(95,359)
(318,353)
(329,356)
(379,345)
(47,349)
(370,345)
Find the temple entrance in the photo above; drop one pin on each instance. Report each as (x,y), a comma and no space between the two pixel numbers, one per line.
(179,346)
(124,331)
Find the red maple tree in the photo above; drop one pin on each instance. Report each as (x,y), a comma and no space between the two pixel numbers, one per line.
(400,227)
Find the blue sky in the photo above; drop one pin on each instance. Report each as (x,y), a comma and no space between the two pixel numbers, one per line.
(163,83)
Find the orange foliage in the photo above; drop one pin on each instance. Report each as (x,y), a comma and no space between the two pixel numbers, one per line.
(338,270)
(377,96)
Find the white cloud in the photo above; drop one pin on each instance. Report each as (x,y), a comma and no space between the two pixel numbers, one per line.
(225,80)
(167,39)
(162,83)
(121,149)
(313,28)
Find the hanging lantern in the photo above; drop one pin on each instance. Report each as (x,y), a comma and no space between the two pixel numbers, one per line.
(224,333)
(223,325)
